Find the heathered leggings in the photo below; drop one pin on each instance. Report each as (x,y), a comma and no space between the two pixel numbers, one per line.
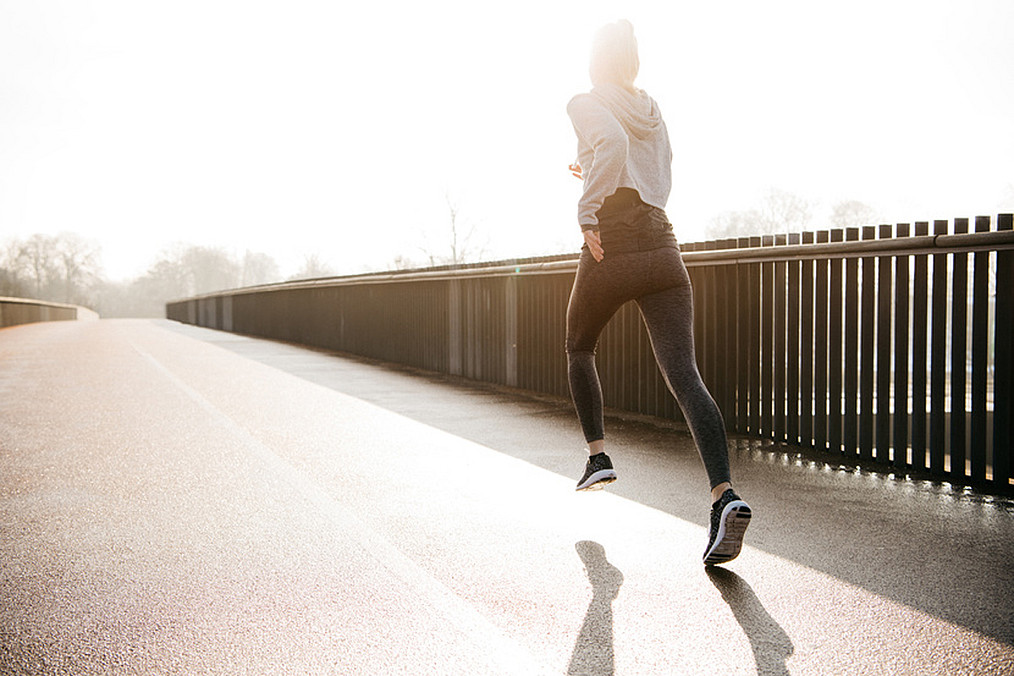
(658,282)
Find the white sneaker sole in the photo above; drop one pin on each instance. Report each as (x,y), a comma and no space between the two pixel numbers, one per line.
(597,480)
(732,526)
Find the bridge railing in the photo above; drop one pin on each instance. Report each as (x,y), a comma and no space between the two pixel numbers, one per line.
(14,311)
(889,344)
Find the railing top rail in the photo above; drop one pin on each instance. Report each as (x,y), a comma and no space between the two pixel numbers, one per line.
(895,246)
(33,301)
(495,270)
(772,249)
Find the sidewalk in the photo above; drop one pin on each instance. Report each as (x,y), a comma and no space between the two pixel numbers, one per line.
(177,500)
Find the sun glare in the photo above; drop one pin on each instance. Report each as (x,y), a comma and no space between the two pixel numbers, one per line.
(310,127)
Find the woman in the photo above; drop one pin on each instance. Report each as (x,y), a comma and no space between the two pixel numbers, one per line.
(630,253)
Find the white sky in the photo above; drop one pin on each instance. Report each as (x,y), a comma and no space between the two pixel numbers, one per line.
(337,129)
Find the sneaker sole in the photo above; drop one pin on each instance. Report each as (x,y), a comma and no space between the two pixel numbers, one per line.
(597,480)
(728,544)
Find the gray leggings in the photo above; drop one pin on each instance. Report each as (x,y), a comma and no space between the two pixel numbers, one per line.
(658,282)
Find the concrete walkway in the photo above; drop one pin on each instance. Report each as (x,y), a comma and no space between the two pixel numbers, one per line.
(180,501)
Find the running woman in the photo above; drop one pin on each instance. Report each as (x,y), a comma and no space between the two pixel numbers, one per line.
(630,253)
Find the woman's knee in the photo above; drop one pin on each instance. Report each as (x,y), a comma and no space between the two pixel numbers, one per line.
(580,355)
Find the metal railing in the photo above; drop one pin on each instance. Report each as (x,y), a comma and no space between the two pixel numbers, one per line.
(14,311)
(890,344)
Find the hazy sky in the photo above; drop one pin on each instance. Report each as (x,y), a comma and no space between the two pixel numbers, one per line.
(339,129)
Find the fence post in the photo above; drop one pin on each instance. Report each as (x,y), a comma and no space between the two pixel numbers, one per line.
(729,303)
(867,365)
(743,337)
(756,368)
(980,346)
(959,348)
(781,350)
(822,350)
(938,358)
(792,387)
(835,359)
(900,351)
(511,331)
(920,367)
(706,342)
(1003,364)
(806,366)
(767,338)
(884,269)
(454,356)
(852,364)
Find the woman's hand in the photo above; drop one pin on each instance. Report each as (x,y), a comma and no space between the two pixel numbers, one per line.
(594,242)
(576,171)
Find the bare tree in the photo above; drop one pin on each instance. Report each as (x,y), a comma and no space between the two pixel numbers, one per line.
(736,224)
(9,284)
(852,214)
(180,271)
(67,268)
(211,269)
(780,212)
(63,268)
(79,266)
(12,282)
(785,212)
(146,295)
(457,247)
(402,262)
(463,247)
(258,268)
(36,260)
(313,268)
(170,277)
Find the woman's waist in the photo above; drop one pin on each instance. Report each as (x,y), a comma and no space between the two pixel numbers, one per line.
(626,221)
(628,242)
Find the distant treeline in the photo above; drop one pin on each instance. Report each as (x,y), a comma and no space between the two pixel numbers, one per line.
(67,268)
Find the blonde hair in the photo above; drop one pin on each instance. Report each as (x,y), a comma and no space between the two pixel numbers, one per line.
(614,55)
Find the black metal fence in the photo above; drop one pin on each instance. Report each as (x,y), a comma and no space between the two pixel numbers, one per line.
(891,344)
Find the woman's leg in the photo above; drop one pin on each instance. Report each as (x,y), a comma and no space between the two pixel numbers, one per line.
(586,392)
(669,317)
(593,301)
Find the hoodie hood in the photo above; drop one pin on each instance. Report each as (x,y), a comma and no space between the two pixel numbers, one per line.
(636,111)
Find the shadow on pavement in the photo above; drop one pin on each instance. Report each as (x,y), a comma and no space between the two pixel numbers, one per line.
(770,644)
(593,651)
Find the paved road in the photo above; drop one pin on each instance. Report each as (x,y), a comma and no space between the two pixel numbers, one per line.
(181,501)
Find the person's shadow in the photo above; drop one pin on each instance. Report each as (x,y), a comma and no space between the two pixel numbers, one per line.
(771,645)
(593,652)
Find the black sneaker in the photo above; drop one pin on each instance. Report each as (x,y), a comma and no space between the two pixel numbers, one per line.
(729,518)
(597,473)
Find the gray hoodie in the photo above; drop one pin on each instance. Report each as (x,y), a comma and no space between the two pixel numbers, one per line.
(622,143)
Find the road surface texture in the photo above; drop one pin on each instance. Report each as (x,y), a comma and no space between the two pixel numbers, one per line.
(175,500)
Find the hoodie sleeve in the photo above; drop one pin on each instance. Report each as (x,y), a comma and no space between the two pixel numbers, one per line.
(600,131)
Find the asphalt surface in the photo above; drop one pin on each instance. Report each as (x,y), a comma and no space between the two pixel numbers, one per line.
(175,500)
